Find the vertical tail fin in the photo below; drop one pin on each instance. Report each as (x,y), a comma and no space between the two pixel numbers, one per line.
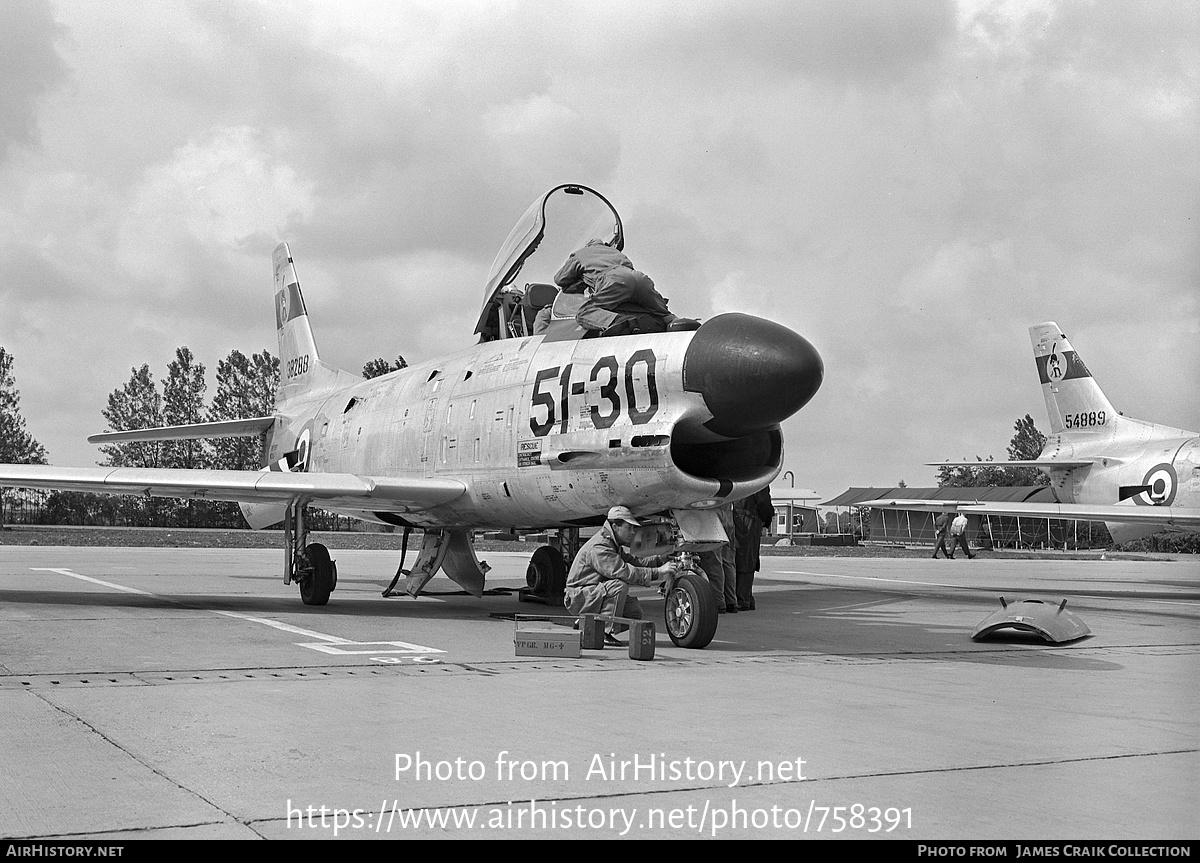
(300,368)
(1073,398)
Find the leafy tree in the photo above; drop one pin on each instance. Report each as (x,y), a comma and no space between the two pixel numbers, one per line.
(380,366)
(1026,444)
(17,445)
(986,474)
(183,404)
(266,371)
(241,393)
(136,405)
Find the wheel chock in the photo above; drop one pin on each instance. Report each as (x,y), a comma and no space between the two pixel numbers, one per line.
(641,639)
(1055,625)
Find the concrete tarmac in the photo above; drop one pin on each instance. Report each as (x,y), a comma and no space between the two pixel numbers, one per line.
(181,693)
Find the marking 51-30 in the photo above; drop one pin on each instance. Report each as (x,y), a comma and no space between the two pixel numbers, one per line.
(552,391)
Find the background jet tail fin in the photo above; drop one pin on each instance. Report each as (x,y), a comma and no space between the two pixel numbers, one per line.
(300,368)
(1073,398)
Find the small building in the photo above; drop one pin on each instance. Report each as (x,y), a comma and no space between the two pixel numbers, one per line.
(793,513)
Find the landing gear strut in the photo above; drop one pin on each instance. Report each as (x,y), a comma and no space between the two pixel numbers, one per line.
(307,564)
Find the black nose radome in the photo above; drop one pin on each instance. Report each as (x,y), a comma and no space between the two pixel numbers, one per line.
(752,373)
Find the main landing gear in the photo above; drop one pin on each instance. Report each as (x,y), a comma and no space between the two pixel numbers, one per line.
(546,576)
(307,564)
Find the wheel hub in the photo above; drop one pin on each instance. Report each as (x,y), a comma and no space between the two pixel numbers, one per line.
(679,612)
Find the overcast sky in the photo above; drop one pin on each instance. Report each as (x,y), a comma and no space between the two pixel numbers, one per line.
(908,185)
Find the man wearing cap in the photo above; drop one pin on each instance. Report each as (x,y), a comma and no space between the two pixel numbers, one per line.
(603,570)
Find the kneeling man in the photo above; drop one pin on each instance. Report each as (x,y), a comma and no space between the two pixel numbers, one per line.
(602,572)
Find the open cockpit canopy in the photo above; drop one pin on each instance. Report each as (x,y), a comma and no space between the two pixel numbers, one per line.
(558,223)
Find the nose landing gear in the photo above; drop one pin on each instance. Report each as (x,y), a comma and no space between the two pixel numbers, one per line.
(689,606)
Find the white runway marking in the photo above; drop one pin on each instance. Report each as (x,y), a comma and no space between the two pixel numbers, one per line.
(860,578)
(342,648)
(98,581)
(327,643)
(285,627)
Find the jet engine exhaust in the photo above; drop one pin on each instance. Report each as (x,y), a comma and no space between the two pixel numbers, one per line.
(752,373)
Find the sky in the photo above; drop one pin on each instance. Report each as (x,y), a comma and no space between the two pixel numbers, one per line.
(908,185)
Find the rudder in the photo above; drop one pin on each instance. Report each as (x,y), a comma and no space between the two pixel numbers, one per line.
(1073,398)
(300,367)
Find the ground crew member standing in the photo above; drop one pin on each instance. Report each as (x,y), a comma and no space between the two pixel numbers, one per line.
(941,527)
(958,536)
(720,564)
(750,515)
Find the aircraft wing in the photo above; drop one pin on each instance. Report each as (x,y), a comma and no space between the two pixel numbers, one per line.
(379,494)
(226,428)
(1167,516)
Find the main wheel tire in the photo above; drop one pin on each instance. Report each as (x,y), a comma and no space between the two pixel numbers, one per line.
(690,609)
(547,572)
(319,577)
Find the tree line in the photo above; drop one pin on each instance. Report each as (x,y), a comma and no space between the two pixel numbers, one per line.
(245,387)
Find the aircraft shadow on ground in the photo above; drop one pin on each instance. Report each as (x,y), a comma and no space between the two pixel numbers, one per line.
(852,624)
(451,607)
(863,626)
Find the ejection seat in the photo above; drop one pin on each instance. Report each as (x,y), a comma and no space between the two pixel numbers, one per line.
(563,306)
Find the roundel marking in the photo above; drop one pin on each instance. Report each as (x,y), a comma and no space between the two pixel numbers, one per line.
(302,446)
(1162,481)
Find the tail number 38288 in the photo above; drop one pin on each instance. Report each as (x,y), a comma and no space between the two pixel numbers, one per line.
(297,366)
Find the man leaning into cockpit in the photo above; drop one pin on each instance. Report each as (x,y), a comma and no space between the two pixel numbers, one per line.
(620,300)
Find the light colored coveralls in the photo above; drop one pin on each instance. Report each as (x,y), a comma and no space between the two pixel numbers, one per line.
(600,576)
(616,291)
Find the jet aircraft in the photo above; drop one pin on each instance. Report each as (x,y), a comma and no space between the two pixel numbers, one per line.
(520,431)
(1137,477)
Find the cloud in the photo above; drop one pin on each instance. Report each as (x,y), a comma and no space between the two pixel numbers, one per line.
(30,68)
(227,192)
(901,183)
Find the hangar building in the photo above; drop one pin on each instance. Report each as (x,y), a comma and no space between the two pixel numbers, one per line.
(991,531)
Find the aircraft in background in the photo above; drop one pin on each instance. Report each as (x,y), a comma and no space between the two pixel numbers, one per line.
(520,431)
(1137,477)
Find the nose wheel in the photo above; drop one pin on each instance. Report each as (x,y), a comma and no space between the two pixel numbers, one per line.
(690,609)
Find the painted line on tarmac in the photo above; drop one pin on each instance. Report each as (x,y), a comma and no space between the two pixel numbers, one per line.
(332,643)
(284,627)
(860,578)
(327,643)
(99,582)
